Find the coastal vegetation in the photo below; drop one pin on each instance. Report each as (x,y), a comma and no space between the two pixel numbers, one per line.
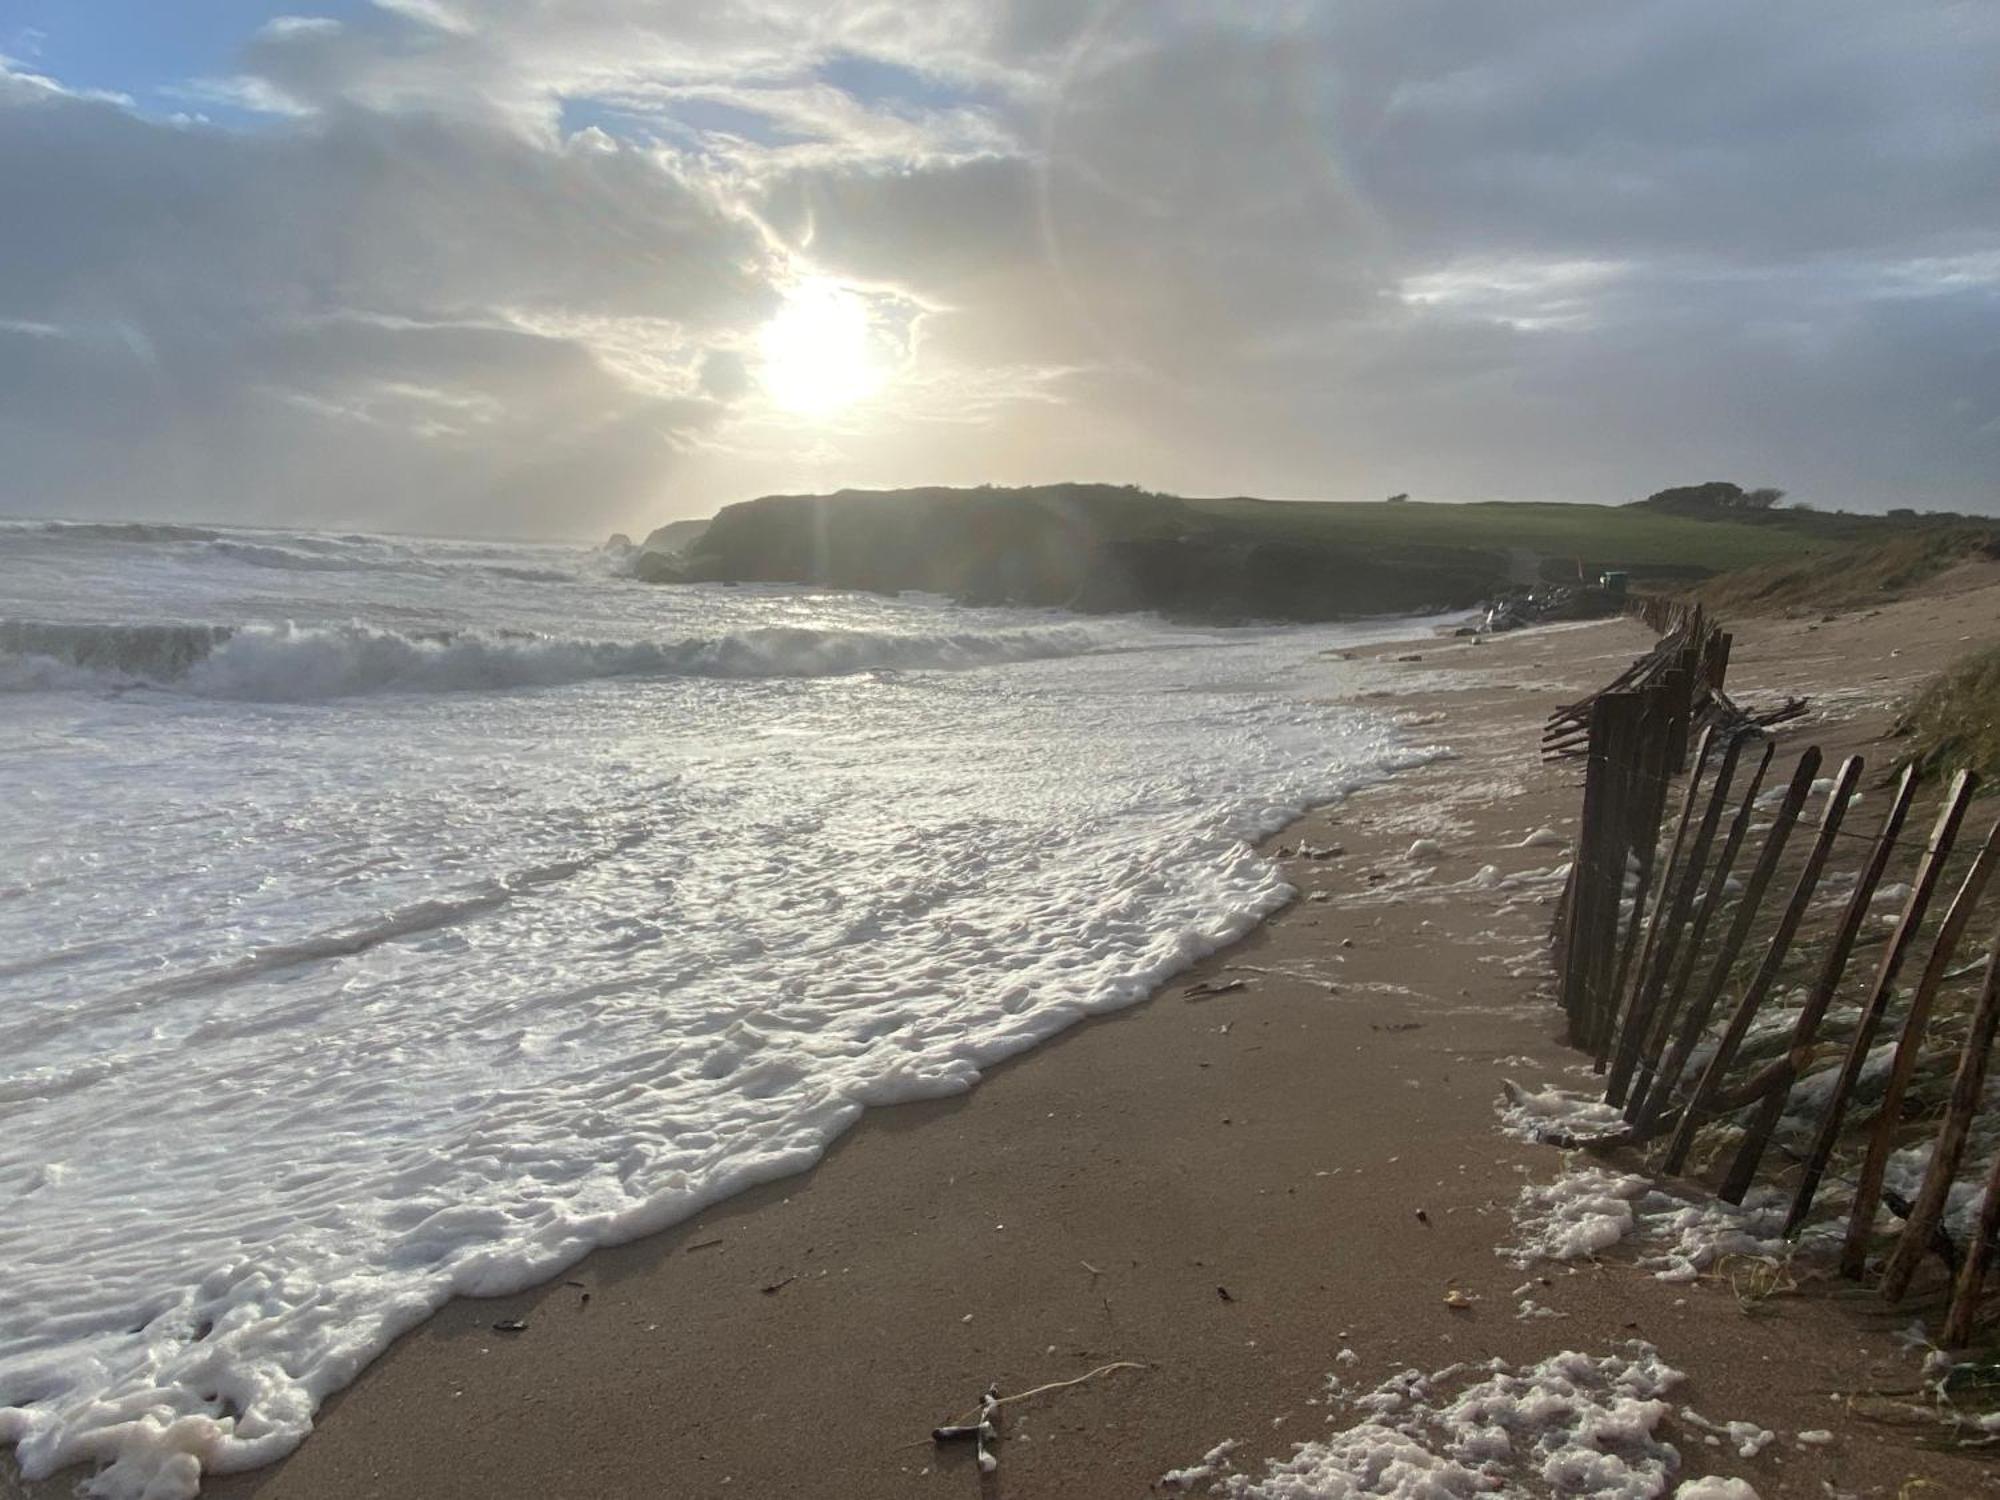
(1954,722)
(1887,564)
(1100,547)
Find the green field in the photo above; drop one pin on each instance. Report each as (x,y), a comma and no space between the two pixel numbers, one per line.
(1644,542)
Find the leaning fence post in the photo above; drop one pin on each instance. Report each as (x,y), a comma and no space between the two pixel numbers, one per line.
(1643,1104)
(1972,1271)
(1648,806)
(1967,1088)
(1586,893)
(1772,1108)
(1694,1116)
(1929,870)
(1732,943)
(1668,890)
(1868,1189)
(1669,917)
(1613,848)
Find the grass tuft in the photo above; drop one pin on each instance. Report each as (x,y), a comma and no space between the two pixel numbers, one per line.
(1954,723)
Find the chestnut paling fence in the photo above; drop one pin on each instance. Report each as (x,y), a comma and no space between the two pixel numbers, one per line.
(1739,953)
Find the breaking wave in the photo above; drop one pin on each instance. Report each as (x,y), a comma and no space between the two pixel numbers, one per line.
(115,531)
(290,664)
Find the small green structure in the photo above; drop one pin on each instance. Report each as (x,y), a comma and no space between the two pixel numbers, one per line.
(1613,583)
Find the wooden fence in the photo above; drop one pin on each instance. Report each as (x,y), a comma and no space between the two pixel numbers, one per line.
(1672,936)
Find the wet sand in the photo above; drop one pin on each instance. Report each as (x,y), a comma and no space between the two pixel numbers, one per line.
(1225,1188)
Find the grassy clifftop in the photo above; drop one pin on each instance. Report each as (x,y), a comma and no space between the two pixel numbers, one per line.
(1108,547)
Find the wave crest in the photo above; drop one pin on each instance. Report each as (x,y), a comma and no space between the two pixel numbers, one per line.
(290,664)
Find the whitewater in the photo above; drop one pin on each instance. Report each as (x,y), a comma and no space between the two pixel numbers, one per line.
(387,919)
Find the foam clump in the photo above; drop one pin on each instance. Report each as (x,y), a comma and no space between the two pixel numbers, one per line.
(1534,1114)
(1713,1487)
(1586,1210)
(1573,1424)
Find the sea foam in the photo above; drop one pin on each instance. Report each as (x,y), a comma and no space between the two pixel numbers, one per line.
(414,931)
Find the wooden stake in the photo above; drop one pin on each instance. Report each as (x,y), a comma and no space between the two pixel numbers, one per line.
(1818,1001)
(1929,870)
(1665,939)
(1868,1190)
(1761,876)
(1967,1090)
(1648,805)
(1698,1109)
(1972,1273)
(1613,846)
(1675,895)
(1661,1026)
(1585,893)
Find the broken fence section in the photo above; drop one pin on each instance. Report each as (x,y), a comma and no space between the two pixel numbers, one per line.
(1676,934)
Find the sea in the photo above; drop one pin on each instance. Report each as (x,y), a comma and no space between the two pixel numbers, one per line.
(386,918)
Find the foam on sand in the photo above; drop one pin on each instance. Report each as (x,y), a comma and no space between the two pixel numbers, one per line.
(1572,1424)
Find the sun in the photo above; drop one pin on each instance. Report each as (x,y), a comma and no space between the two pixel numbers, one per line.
(815,350)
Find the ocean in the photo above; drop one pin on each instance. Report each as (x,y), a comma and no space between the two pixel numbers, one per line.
(385,918)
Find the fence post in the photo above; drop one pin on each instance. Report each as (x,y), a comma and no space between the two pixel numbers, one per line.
(1732,944)
(1868,1190)
(1772,1108)
(1586,893)
(1643,1105)
(1670,915)
(1929,869)
(1972,1273)
(1967,1088)
(1709,1086)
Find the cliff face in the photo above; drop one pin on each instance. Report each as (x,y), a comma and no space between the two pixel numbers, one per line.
(1087,547)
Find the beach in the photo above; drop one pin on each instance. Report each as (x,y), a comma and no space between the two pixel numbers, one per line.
(1228,1189)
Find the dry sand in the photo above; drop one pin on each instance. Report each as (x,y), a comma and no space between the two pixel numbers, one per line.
(1226,1189)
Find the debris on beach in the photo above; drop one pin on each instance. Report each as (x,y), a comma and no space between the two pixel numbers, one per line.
(1209,987)
(510,1325)
(983,1426)
(982,1432)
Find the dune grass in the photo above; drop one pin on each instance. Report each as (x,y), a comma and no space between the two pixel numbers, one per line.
(1848,576)
(1954,722)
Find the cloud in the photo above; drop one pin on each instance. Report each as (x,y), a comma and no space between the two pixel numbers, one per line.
(503,266)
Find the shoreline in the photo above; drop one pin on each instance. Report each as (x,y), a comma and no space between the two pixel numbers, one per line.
(1208,1200)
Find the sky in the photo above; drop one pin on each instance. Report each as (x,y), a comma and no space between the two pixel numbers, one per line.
(559,267)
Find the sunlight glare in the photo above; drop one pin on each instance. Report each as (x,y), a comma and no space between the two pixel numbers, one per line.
(815,350)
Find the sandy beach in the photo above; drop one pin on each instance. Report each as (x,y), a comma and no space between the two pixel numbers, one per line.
(1226,1188)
